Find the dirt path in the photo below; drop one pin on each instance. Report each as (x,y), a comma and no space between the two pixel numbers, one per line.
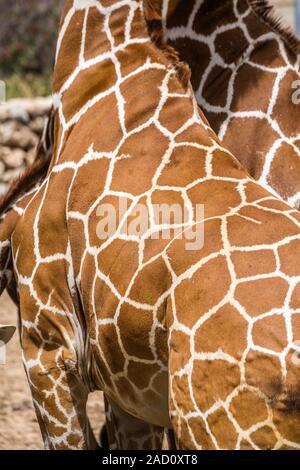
(18,425)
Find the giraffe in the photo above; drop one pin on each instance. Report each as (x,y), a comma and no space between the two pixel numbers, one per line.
(142,317)
(245,74)
(12,207)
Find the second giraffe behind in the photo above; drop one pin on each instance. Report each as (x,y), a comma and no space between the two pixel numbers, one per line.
(202,341)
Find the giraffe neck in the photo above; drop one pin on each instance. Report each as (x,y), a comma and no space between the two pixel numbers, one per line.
(220,41)
(245,67)
(101,47)
(92,37)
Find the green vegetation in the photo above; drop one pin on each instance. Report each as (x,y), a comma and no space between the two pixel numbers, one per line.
(28,85)
(28,35)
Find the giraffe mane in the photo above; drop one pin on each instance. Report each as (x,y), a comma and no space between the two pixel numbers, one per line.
(24,183)
(153,16)
(265,11)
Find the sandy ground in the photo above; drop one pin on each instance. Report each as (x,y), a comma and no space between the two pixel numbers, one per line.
(18,425)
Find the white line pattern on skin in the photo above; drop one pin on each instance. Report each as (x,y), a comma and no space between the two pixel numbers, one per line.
(279,73)
(75,336)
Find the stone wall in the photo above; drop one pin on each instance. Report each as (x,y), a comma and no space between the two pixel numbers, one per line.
(21,124)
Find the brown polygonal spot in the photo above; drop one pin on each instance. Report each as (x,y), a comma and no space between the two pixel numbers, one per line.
(230,44)
(179,107)
(253,263)
(135,327)
(196,54)
(185,435)
(95,80)
(270,333)
(263,371)
(182,259)
(216,333)
(225,164)
(200,434)
(142,152)
(104,220)
(87,135)
(256,226)
(207,287)
(284,171)
(179,13)
(151,282)
(255,26)
(119,261)
(196,133)
(223,429)
(245,445)
(225,197)
(88,184)
(258,94)
(105,301)
(50,284)
(287,425)
(180,350)
(68,56)
(260,296)
(141,374)
(213,381)
(28,304)
(249,139)
(51,226)
(248,409)
(296,326)
(181,393)
(95,44)
(269,55)
(116,24)
(289,256)
(264,438)
(212,15)
(145,84)
(184,162)
(109,344)
(215,89)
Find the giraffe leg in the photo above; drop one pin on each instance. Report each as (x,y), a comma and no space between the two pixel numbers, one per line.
(55,378)
(126,432)
(171,439)
(104,440)
(60,401)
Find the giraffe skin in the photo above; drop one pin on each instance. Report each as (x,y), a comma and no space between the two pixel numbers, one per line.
(14,202)
(8,222)
(245,69)
(202,341)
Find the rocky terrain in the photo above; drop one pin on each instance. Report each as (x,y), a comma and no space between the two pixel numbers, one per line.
(21,124)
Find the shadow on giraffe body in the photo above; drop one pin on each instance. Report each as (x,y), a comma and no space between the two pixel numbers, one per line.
(173,338)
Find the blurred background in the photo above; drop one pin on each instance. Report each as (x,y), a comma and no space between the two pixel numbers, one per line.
(28,32)
(287,9)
